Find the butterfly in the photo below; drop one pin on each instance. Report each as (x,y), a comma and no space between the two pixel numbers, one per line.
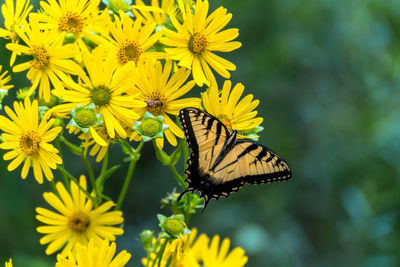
(220,163)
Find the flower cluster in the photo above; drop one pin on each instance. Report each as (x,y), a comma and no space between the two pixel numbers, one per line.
(117,75)
(191,251)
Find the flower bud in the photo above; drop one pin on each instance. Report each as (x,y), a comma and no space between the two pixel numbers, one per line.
(84,117)
(146,236)
(119,5)
(150,127)
(69,38)
(173,226)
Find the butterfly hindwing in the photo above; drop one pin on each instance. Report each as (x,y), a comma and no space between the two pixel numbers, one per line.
(221,164)
(252,163)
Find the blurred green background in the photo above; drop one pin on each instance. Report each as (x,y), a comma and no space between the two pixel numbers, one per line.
(327,74)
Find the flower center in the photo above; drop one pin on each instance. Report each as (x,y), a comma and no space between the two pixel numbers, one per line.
(198,43)
(78,222)
(100,96)
(130,51)
(155,104)
(173,226)
(71,22)
(29,142)
(85,117)
(40,57)
(119,5)
(150,127)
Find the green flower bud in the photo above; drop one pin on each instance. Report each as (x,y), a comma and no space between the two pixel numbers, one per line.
(172,227)
(3,93)
(51,103)
(84,117)
(22,93)
(187,205)
(120,5)
(146,236)
(69,38)
(150,127)
(58,122)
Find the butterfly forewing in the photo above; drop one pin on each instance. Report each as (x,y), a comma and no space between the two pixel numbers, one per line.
(205,135)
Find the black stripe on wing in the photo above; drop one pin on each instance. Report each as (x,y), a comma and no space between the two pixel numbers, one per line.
(188,115)
(186,121)
(280,172)
(276,176)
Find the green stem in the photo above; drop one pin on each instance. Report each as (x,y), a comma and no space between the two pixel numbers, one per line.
(53,188)
(128,177)
(73,148)
(100,180)
(177,177)
(105,164)
(92,178)
(72,178)
(64,176)
(185,156)
(160,254)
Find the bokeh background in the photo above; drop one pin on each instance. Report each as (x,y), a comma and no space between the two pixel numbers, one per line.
(327,74)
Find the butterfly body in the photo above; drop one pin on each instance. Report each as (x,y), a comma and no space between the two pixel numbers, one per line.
(220,163)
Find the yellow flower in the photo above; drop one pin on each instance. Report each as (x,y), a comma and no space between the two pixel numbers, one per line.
(189,251)
(50,58)
(79,17)
(8,263)
(225,106)
(106,88)
(159,92)
(76,221)
(215,254)
(14,17)
(128,41)
(100,150)
(155,12)
(99,255)
(4,79)
(29,140)
(96,148)
(194,40)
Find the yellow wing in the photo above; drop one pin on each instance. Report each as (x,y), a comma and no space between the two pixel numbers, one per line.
(252,163)
(219,163)
(205,136)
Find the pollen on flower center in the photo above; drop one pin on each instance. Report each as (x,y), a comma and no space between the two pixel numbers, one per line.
(174,226)
(100,96)
(150,127)
(119,4)
(198,43)
(40,57)
(85,117)
(155,104)
(130,51)
(29,142)
(71,22)
(78,222)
